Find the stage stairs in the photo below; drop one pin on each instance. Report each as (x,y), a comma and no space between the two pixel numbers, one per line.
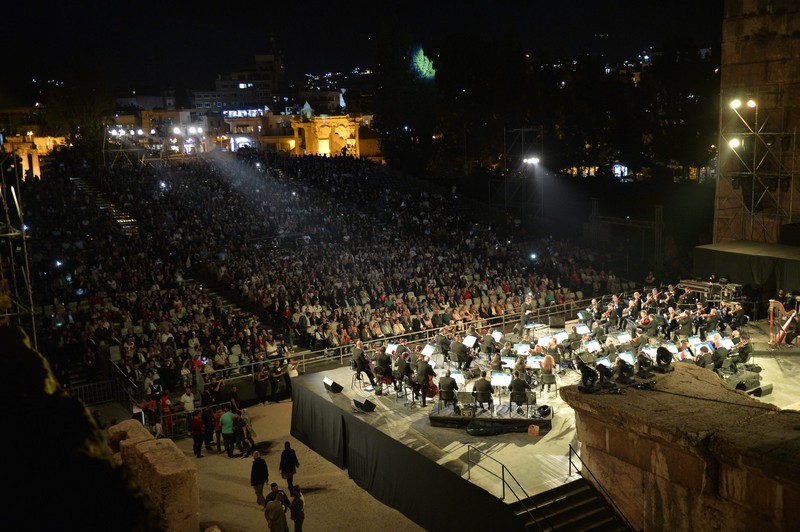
(576,506)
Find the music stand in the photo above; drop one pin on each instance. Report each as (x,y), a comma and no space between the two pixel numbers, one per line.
(469,341)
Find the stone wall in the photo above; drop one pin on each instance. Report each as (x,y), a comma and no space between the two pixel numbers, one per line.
(692,454)
(163,472)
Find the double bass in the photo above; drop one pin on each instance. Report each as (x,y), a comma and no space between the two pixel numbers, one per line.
(433,390)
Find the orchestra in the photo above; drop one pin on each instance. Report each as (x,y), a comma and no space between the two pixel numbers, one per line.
(633,335)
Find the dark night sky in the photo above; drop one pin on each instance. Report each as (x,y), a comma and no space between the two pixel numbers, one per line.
(141,43)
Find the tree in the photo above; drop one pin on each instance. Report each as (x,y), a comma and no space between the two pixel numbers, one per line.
(76,110)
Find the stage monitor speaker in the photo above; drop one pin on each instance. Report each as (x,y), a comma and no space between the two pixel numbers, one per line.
(331,386)
(365,405)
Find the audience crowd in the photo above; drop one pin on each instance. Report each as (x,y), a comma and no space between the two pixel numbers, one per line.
(325,250)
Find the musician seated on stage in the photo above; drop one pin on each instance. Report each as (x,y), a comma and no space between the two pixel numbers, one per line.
(735,316)
(483,385)
(706,322)
(647,325)
(573,340)
(548,366)
(442,342)
(405,369)
(488,343)
(742,346)
(448,384)
(383,365)
(362,363)
(460,352)
(508,350)
(684,324)
(518,384)
(598,333)
(705,359)
(610,319)
(496,363)
(685,353)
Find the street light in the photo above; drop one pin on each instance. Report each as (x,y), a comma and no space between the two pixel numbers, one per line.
(534,161)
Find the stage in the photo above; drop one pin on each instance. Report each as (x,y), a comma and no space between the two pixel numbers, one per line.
(416,459)
(400,455)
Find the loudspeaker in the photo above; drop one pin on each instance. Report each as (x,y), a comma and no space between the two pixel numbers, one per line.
(331,386)
(365,405)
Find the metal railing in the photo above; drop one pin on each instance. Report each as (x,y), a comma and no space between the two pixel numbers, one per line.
(606,496)
(502,476)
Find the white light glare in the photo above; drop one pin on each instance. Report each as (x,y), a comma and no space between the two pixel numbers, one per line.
(735,104)
(734,143)
(531,160)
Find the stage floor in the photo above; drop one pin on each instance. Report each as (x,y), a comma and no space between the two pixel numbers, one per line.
(539,463)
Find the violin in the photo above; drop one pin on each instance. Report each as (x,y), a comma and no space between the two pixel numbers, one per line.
(433,390)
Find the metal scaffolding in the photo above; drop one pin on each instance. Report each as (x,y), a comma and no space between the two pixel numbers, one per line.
(755,185)
(16,294)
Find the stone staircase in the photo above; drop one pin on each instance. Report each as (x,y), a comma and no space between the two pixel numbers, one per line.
(575,507)
(123,218)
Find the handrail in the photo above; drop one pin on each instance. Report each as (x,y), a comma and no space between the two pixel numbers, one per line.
(608,498)
(505,483)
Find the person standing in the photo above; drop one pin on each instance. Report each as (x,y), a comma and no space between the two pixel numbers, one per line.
(289,464)
(275,514)
(298,509)
(250,433)
(198,430)
(259,475)
(233,397)
(240,435)
(226,422)
(187,400)
(208,426)
(262,379)
(424,375)
(218,427)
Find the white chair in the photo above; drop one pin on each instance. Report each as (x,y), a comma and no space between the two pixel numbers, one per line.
(115,354)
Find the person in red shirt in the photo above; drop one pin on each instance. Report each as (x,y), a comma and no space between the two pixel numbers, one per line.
(198,431)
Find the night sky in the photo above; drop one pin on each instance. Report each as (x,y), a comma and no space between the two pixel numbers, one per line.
(141,44)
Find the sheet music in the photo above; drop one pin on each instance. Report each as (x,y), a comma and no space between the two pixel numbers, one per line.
(497,335)
(522,349)
(500,378)
(592,346)
(469,341)
(428,349)
(544,341)
(627,357)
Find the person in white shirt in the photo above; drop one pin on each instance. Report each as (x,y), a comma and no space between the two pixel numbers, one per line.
(187,400)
